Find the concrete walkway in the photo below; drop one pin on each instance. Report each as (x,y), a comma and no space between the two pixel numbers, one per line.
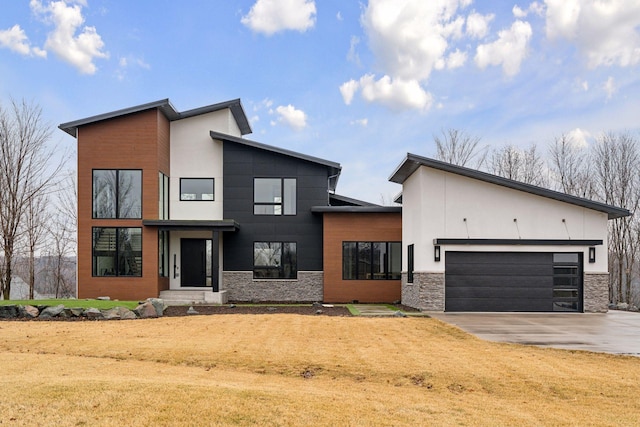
(616,332)
(374,310)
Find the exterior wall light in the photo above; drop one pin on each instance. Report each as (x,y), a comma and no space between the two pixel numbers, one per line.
(436,253)
(592,254)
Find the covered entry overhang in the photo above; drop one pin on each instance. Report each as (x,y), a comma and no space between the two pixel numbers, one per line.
(215,227)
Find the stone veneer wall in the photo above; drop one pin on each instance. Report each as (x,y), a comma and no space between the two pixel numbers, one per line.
(596,292)
(425,293)
(241,286)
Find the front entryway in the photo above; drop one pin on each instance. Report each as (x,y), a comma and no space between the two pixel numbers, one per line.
(195,262)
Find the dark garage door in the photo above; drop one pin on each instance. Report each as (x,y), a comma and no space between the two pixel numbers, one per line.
(512,281)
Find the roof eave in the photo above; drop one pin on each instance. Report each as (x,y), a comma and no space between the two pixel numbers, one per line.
(412,162)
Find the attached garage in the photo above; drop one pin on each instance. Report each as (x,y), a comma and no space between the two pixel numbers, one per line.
(513,281)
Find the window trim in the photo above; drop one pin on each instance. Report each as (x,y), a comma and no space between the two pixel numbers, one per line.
(117,190)
(282,202)
(117,250)
(387,270)
(281,267)
(213,184)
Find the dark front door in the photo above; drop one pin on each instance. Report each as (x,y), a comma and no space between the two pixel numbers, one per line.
(193,262)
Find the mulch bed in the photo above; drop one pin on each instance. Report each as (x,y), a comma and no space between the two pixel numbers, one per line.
(176,310)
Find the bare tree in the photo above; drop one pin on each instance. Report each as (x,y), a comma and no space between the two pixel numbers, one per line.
(616,159)
(36,218)
(520,165)
(27,168)
(459,148)
(570,165)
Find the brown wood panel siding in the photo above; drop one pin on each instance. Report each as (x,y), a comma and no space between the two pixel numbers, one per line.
(128,142)
(357,227)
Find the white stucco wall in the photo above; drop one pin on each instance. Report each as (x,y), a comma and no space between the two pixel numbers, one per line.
(438,204)
(195,155)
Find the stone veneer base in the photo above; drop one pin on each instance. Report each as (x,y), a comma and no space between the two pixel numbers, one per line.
(241,286)
(595,292)
(425,293)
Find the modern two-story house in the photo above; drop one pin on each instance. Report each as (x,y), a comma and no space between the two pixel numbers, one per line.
(179,204)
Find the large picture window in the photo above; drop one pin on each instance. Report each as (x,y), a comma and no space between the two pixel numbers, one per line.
(274,260)
(274,196)
(117,193)
(371,260)
(117,251)
(196,189)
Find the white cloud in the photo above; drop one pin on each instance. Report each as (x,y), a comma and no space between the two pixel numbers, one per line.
(610,87)
(409,38)
(79,50)
(339,16)
(396,94)
(456,59)
(535,8)
(352,55)
(348,90)
(478,25)
(290,116)
(272,16)
(360,122)
(16,40)
(579,137)
(606,33)
(509,50)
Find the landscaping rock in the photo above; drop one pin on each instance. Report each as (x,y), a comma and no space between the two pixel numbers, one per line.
(76,312)
(158,304)
(51,312)
(118,313)
(634,309)
(319,311)
(93,313)
(146,310)
(622,306)
(399,314)
(103,299)
(192,310)
(28,311)
(8,311)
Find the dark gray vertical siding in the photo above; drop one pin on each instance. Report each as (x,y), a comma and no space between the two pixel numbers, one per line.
(241,165)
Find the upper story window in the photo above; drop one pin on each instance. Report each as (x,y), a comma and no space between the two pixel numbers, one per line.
(274,196)
(196,189)
(117,193)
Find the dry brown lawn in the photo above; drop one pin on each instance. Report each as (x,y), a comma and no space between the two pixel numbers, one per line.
(281,369)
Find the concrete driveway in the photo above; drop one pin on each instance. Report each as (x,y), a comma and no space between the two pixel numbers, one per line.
(616,332)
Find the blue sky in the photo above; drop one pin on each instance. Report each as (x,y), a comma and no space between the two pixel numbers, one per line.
(360,83)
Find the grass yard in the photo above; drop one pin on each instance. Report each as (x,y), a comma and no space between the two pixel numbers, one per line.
(74,303)
(282,369)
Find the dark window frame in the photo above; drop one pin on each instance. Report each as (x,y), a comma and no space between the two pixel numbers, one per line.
(281,268)
(283,199)
(358,273)
(116,253)
(164,195)
(213,189)
(117,193)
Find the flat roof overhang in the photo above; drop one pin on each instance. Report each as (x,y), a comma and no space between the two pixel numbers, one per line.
(189,224)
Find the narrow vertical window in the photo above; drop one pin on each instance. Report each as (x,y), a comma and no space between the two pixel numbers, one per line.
(410,264)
